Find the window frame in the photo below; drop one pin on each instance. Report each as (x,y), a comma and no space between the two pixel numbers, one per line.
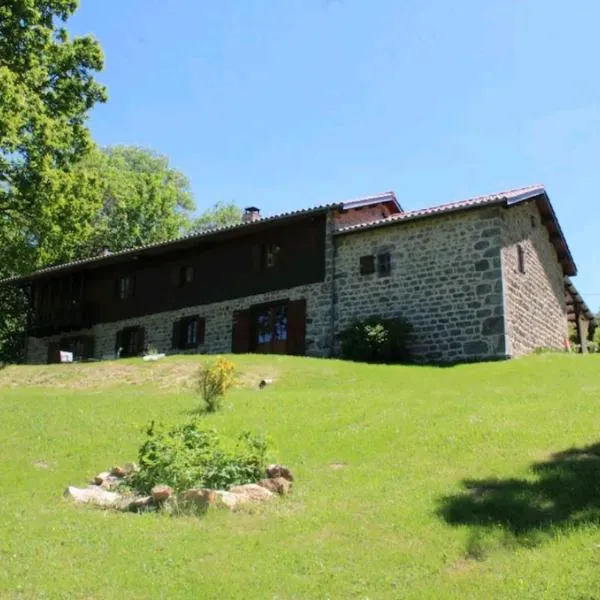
(521,259)
(183,326)
(183,275)
(384,264)
(125,287)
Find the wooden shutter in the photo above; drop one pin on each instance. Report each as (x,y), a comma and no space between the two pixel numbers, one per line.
(176,276)
(257,256)
(175,339)
(240,342)
(201,330)
(53,353)
(119,341)
(88,346)
(297,327)
(140,340)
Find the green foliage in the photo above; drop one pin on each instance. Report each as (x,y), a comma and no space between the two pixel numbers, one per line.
(377,340)
(138,198)
(220,215)
(189,455)
(47,87)
(214,380)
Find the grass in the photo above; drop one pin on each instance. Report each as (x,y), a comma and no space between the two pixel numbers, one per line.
(476,481)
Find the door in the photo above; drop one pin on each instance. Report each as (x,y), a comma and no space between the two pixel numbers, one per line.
(270,327)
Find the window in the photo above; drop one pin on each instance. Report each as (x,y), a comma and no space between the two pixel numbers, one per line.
(186,275)
(125,287)
(130,341)
(384,264)
(188,333)
(269,256)
(521,258)
(367,264)
(533,222)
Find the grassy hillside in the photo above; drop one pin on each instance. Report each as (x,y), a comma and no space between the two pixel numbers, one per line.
(412,482)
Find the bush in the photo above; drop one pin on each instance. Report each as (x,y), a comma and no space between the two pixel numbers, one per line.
(377,340)
(188,456)
(214,380)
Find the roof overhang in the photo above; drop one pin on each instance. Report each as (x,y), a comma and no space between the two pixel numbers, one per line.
(217,235)
(575,303)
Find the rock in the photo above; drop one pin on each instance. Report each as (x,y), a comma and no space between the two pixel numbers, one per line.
(274,471)
(118,472)
(131,468)
(278,485)
(141,503)
(93,495)
(160,493)
(230,500)
(99,479)
(111,483)
(201,497)
(253,491)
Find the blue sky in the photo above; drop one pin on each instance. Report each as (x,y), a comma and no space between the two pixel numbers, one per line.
(285,104)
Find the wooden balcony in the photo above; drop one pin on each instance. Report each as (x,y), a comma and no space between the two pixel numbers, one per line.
(60,320)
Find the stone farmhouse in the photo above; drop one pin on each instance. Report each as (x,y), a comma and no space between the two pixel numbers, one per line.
(483,278)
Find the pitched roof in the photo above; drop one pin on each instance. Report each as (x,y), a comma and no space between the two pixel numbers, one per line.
(506,198)
(159,247)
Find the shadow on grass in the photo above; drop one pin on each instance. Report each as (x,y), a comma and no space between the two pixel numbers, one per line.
(563,494)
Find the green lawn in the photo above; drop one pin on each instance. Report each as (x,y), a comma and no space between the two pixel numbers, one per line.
(412,482)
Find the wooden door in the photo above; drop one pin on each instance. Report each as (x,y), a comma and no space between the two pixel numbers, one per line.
(240,334)
(270,328)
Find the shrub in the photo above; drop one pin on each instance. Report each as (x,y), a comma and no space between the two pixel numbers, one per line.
(214,380)
(377,340)
(188,455)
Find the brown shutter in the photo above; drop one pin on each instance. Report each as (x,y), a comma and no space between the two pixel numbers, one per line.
(88,346)
(175,337)
(119,341)
(176,276)
(240,342)
(297,327)
(53,353)
(257,256)
(140,338)
(201,330)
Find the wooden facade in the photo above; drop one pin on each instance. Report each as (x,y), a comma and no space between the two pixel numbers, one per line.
(197,271)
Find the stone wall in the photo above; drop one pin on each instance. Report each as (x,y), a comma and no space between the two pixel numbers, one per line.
(446,279)
(535,300)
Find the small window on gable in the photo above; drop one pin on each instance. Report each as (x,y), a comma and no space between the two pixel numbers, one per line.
(533,222)
(367,264)
(188,333)
(521,258)
(186,275)
(125,287)
(384,264)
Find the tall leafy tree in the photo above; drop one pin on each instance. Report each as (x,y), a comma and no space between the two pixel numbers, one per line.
(47,88)
(137,199)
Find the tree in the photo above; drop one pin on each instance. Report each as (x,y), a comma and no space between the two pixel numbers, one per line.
(220,215)
(137,197)
(47,88)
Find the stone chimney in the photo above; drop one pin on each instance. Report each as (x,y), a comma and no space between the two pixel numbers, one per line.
(251,214)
